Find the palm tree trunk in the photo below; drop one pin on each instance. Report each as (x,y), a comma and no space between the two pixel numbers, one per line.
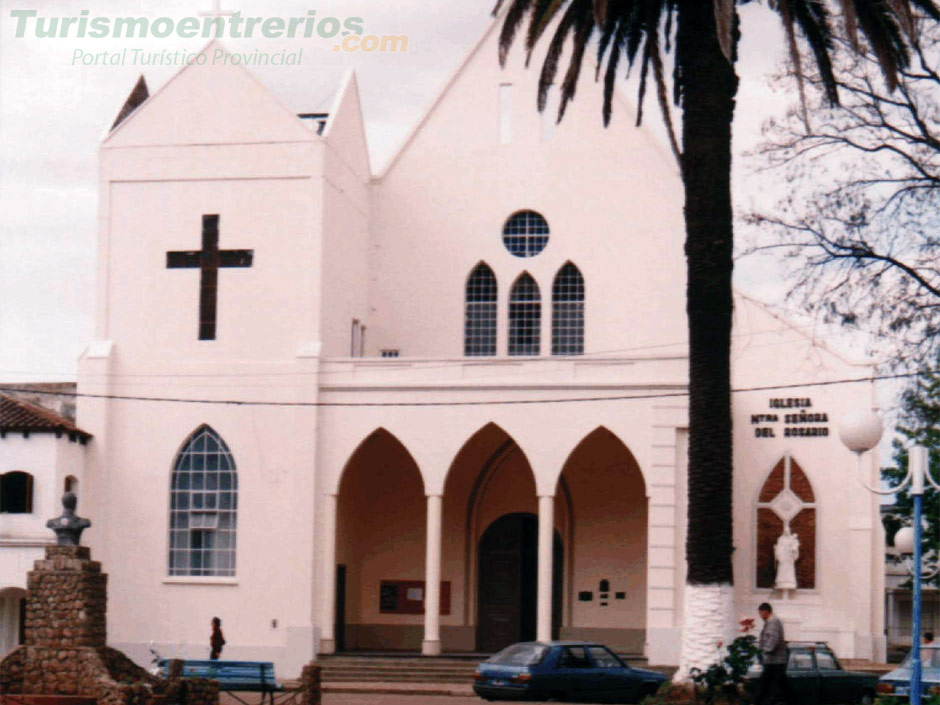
(708,86)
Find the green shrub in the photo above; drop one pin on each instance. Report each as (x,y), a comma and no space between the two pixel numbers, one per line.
(725,678)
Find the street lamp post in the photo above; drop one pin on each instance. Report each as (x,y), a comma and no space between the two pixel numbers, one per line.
(861,431)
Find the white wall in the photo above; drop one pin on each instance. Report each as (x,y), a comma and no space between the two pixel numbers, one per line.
(212,140)
(845,606)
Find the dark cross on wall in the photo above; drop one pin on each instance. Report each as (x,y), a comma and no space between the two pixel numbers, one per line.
(209,260)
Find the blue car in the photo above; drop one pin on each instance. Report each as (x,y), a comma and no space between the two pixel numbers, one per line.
(898,682)
(563,670)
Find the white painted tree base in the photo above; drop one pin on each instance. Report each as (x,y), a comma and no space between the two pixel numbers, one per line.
(708,620)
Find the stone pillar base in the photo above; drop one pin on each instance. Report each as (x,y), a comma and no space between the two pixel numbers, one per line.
(310,685)
(431,648)
(327,646)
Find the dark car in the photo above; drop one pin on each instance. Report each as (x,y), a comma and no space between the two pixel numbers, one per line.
(564,670)
(815,677)
(898,682)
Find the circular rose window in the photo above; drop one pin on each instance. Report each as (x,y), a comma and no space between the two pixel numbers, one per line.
(525,234)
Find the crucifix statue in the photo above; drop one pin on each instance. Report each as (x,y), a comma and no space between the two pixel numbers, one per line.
(208,261)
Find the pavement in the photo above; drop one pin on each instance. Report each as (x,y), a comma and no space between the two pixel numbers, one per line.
(388,699)
(399,689)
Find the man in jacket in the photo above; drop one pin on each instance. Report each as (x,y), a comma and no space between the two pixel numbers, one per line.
(773,647)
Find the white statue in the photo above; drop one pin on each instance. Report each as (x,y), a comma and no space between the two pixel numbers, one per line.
(786,551)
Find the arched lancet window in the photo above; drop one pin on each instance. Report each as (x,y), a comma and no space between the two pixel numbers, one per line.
(203,507)
(568,312)
(786,501)
(525,316)
(479,333)
(525,234)
(16,493)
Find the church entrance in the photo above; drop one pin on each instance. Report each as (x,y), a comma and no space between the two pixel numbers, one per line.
(507,582)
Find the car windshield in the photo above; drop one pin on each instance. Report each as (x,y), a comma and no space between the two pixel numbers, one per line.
(929,657)
(519,655)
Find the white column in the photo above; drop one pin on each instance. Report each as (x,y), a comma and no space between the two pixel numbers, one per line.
(543,628)
(431,646)
(328,571)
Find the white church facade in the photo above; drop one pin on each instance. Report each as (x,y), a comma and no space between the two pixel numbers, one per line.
(437,409)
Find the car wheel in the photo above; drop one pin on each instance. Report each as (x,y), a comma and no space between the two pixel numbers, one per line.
(648,690)
(866,699)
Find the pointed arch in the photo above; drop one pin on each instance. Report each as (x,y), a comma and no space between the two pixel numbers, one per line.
(380,540)
(203,507)
(479,337)
(489,476)
(786,501)
(525,316)
(603,438)
(608,548)
(382,443)
(568,311)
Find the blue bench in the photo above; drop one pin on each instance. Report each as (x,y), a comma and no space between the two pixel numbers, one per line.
(233,676)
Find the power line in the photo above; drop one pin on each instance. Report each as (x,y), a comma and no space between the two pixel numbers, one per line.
(416,364)
(497,402)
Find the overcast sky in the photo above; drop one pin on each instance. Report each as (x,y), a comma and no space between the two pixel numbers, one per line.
(53,114)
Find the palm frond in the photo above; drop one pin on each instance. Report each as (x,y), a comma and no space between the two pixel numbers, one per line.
(928,7)
(600,12)
(611,26)
(552,58)
(610,75)
(849,22)
(514,18)
(659,76)
(583,28)
(649,27)
(542,14)
(881,27)
(813,20)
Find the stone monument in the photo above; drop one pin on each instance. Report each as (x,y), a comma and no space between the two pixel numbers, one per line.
(65,653)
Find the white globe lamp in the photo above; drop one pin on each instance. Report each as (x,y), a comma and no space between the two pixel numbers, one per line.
(860,430)
(904,540)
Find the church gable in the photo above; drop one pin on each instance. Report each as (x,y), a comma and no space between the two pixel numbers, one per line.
(482,157)
(345,130)
(483,103)
(213,102)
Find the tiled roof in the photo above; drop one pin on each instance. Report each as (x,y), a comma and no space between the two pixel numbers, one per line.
(18,416)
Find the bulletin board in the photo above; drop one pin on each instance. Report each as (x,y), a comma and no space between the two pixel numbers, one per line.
(407,597)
